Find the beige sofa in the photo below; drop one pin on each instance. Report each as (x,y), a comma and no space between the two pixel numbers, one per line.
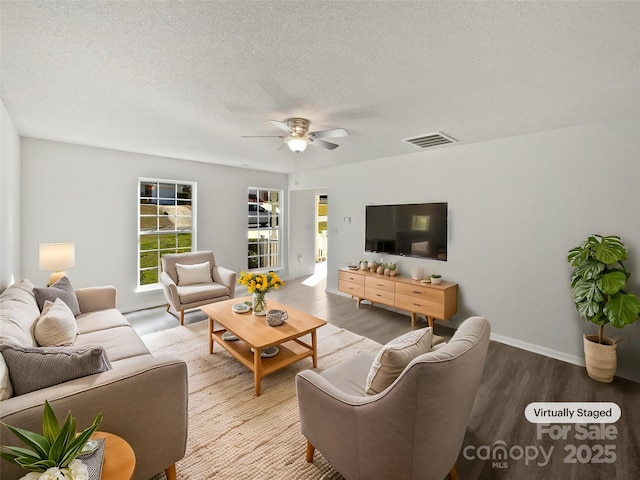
(143,398)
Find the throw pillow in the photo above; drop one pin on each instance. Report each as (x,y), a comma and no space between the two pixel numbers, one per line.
(34,368)
(6,390)
(61,289)
(196,273)
(57,327)
(395,356)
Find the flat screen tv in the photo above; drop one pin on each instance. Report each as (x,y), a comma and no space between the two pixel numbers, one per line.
(413,230)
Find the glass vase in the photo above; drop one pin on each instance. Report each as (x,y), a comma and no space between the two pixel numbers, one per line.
(259,302)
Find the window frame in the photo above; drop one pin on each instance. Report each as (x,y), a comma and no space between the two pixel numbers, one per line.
(159,231)
(257,229)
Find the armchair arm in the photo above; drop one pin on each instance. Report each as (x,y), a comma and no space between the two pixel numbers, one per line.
(226,277)
(143,401)
(92,299)
(170,290)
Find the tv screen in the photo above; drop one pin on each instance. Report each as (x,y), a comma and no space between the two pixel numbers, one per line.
(414,230)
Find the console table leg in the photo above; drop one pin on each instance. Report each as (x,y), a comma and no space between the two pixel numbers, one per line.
(430,320)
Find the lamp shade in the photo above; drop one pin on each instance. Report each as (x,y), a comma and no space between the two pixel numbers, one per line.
(297,144)
(57,256)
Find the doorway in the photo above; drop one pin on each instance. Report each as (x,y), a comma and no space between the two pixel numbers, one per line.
(322,208)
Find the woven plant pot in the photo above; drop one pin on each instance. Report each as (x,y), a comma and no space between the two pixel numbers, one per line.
(600,359)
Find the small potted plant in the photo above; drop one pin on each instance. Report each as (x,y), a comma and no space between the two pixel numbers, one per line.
(53,454)
(393,269)
(597,286)
(364,265)
(436,279)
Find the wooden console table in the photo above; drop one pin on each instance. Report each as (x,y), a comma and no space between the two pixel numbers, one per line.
(438,302)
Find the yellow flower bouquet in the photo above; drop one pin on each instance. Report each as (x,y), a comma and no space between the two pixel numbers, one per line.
(259,284)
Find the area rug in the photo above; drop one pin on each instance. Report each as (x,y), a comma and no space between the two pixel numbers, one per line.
(232,433)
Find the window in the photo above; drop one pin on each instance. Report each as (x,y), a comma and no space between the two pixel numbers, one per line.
(166,224)
(264,208)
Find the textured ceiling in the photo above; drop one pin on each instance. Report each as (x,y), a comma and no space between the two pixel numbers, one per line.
(187,79)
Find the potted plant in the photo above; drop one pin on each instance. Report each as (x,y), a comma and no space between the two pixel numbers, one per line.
(393,269)
(436,279)
(597,286)
(364,265)
(53,454)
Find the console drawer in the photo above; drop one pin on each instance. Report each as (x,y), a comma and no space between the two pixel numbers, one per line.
(378,295)
(351,277)
(380,283)
(351,288)
(417,304)
(421,292)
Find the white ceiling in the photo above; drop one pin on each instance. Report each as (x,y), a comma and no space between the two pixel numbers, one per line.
(187,79)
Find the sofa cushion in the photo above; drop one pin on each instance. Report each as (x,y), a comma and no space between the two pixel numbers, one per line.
(61,289)
(118,342)
(392,358)
(201,292)
(19,313)
(34,368)
(100,320)
(57,326)
(195,273)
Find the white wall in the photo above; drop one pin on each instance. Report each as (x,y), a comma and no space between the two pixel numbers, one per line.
(516,206)
(9,201)
(88,195)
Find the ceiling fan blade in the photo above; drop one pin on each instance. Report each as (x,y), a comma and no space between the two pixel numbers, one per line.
(281,126)
(261,136)
(336,132)
(323,144)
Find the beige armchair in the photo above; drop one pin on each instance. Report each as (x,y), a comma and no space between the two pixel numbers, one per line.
(188,284)
(412,430)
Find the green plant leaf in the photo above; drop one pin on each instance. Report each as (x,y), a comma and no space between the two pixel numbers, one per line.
(50,426)
(12,453)
(39,444)
(80,441)
(590,268)
(591,311)
(61,446)
(622,309)
(610,283)
(576,256)
(610,250)
(586,290)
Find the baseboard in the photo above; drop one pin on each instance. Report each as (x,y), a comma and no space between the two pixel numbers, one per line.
(563,356)
(531,347)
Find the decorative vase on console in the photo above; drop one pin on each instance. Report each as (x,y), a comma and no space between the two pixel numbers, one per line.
(258,284)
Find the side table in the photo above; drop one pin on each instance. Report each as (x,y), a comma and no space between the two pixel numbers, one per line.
(119,458)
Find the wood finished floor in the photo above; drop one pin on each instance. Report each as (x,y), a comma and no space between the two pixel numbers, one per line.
(512,379)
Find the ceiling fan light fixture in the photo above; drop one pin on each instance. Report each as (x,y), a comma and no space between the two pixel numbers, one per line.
(297,144)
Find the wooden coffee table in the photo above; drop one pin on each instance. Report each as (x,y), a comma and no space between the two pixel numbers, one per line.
(253,332)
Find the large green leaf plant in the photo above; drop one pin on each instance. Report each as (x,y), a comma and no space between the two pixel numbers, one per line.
(56,448)
(598,281)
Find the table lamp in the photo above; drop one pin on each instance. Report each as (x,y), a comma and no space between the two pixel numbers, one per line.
(57,257)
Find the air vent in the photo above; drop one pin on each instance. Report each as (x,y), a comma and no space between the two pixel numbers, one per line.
(430,140)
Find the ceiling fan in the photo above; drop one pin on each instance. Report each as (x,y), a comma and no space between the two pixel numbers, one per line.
(298,135)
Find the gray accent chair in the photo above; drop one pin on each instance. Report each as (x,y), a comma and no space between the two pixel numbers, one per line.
(412,430)
(184,297)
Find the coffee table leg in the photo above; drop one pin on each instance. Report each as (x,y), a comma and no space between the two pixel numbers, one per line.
(314,347)
(210,335)
(257,370)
